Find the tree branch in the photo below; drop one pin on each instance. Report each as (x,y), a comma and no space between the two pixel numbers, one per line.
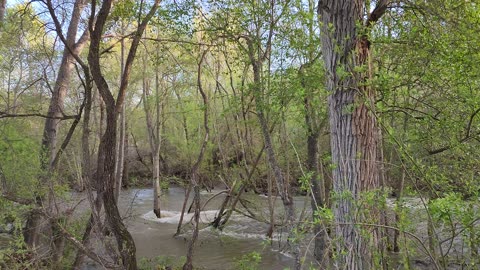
(131,55)
(14,115)
(378,12)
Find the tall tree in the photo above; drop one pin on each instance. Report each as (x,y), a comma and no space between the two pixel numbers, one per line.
(153,119)
(62,83)
(353,126)
(195,176)
(106,167)
(55,113)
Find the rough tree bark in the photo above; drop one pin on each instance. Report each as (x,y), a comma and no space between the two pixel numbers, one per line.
(106,171)
(353,126)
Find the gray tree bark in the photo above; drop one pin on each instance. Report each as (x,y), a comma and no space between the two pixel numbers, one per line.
(353,126)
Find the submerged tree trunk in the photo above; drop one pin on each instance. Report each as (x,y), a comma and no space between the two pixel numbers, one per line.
(154,139)
(353,127)
(195,175)
(184,206)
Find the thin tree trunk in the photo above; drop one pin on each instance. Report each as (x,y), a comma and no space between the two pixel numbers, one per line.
(282,186)
(119,162)
(153,130)
(196,219)
(195,177)
(184,206)
(184,118)
(86,162)
(399,200)
(158,140)
(125,173)
(317,182)
(156,184)
(257,57)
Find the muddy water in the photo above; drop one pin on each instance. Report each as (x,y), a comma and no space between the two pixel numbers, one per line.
(215,250)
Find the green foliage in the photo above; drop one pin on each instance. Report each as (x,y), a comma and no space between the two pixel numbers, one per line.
(19,160)
(305,181)
(249,261)
(428,80)
(323,215)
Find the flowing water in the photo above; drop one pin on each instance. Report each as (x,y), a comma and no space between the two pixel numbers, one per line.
(154,237)
(214,249)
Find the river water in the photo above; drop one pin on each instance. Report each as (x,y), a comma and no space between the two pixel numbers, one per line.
(215,250)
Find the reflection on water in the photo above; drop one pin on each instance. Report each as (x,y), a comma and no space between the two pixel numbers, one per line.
(214,250)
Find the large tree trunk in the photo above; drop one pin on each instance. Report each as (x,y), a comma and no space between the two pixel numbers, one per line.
(49,151)
(55,110)
(106,171)
(353,127)
(3,5)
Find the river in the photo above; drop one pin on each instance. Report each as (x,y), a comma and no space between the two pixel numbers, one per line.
(215,250)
